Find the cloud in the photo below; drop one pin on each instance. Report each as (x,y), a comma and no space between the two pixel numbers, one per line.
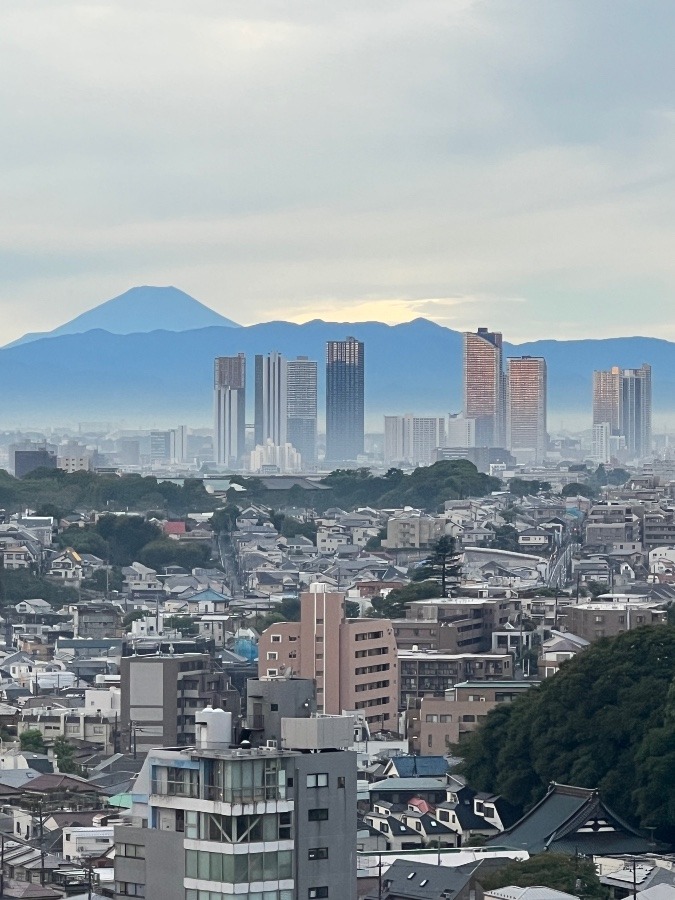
(342,160)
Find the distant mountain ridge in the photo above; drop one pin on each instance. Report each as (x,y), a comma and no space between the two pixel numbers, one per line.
(164,377)
(139,310)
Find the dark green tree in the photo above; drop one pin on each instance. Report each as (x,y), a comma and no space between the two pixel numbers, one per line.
(442,565)
(225,519)
(575,489)
(65,757)
(32,741)
(570,874)
(393,606)
(601,722)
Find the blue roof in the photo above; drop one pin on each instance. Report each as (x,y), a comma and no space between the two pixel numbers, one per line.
(420,766)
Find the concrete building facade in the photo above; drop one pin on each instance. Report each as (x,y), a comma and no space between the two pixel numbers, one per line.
(353,661)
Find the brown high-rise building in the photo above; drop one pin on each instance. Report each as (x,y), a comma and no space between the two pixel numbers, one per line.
(526,408)
(607,399)
(353,661)
(484,386)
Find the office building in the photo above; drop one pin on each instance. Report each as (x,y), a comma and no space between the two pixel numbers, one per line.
(460,431)
(484,386)
(345,422)
(218,821)
(160,446)
(301,394)
(28,460)
(178,452)
(353,661)
(412,440)
(623,399)
(526,408)
(271,399)
(229,396)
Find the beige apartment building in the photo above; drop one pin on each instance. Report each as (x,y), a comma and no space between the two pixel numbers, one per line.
(438,724)
(353,661)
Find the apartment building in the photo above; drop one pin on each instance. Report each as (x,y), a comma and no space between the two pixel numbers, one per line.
(413,530)
(454,624)
(435,724)
(658,528)
(218,821)
(353,661)
(431,673)
(607,619)
(161,696)
(610,523)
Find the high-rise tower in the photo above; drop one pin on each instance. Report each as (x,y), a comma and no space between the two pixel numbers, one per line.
(301,395)
(622,398)
(229,396)
(344,399)
(526,407)
(636,410)
(271,399)
(607,399)
(484,386)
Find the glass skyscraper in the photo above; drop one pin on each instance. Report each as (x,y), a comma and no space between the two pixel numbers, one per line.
(344,400)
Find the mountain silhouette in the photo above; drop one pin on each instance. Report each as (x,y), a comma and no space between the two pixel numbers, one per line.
(165,377)
(140,309)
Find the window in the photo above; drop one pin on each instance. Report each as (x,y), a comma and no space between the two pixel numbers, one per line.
(317,853)
(432,718)
(129,889)
(272,672)
(341,781)
(273,655)
(274,707)
(276,638)
(317,815)
(131,851)
(317,892)
(430,740)
(317,780)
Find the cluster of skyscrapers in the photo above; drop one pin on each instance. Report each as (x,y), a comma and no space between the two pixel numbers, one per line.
(502,409)
(622,413)
(286,408)
(508,408)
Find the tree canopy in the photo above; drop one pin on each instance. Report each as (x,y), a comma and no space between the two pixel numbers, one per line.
(569,874)
(606,720)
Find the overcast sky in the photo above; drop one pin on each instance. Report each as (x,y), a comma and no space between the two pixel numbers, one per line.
(498,163)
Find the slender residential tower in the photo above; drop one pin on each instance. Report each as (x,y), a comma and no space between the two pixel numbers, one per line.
(301,393)
(344,399)
(484,386)
(271,399)
(526,408)
(229,395)
(622,399)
